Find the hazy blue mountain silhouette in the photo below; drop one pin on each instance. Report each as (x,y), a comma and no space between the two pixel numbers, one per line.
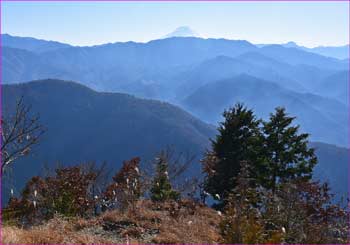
(338,52)
(31,44)
(295,56)
(22,65)
(173,69)
(333,167)
(301,78)
(325,119)
(110,63)
(84,125)
(341,52)
(335,86)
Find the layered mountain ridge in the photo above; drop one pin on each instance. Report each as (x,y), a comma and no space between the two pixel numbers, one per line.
(84,125)
(175,68)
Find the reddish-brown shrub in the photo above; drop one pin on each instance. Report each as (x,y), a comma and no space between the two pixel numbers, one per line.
(67,193)
(126,187)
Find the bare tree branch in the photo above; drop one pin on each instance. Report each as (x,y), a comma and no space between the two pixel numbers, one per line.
(19,133)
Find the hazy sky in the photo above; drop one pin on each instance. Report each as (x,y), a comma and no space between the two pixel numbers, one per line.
(84,23)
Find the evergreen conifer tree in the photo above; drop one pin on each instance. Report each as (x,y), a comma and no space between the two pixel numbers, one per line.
(287,153)
(161,187)
(239,139)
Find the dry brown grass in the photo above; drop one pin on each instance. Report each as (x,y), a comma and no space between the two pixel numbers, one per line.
(56,231)
(14,235)
(187,224)
(202,227)
(147,223)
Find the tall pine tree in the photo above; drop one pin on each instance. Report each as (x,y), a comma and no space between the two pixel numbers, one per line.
(239,139)
(287,153)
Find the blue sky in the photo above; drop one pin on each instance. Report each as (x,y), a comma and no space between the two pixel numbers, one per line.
(88,23)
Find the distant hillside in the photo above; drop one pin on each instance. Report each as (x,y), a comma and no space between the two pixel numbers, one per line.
(84,125)
(341,52)
(300,78)
(20,64)
(296,56)
(325,119)
(31,44)
(336,86)
(338,52)
(333,167)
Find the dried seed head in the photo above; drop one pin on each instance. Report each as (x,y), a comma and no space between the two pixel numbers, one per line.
(283,230)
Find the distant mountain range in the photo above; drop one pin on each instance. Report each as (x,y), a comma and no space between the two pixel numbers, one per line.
(314,113)
(338,52)
(300,78)
(31,44)
(85,125)
(190,70)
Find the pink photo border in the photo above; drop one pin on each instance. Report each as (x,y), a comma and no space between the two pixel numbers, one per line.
(214,1)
